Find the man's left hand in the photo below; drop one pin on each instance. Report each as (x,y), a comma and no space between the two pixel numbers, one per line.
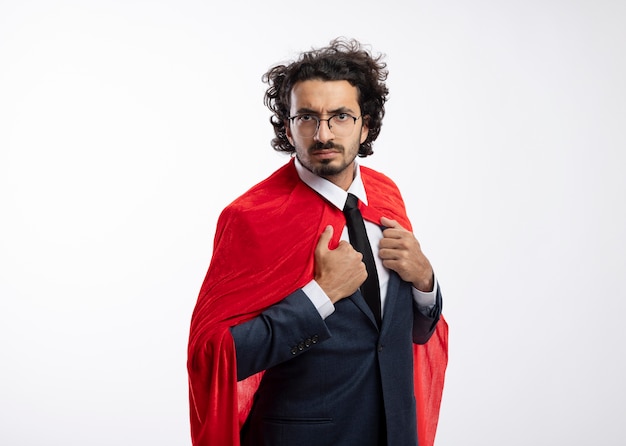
(401,252)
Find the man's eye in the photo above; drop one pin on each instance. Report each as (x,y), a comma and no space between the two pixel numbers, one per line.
(306,118)
(342,117)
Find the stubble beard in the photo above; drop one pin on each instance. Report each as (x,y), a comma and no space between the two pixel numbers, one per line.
(325,168)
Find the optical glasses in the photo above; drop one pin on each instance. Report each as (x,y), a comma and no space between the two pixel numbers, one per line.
(306,125)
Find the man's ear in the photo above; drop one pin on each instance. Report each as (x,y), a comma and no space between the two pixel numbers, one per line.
(365,130)
(288,132)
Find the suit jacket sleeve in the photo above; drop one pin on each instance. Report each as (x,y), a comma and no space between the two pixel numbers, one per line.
(424,325)
(282,332)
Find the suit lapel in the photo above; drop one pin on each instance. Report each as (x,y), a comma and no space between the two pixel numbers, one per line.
(391,299)
(358,300)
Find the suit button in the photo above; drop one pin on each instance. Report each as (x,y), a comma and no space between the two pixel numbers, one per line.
(301,346)
(294,351)
(380,348)
(307,343)
(314,339)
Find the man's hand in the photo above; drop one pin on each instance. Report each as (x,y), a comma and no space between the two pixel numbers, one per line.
(401,252)
(339,272)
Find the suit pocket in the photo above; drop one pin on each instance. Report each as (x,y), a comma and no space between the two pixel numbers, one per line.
(305,421)
(299,431)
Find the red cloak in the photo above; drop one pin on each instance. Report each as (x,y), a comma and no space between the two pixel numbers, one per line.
(271,232)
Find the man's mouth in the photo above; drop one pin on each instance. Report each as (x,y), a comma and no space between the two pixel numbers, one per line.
(325,153)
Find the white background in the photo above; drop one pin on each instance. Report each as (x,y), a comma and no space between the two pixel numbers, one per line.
(126,126)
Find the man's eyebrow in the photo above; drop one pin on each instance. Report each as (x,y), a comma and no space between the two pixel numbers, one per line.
(309,111)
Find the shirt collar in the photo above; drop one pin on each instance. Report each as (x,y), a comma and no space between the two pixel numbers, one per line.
(331,192)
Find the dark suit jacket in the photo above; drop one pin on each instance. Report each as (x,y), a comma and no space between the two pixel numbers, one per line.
(332,381)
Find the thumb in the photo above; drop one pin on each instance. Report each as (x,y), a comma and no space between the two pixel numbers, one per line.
(325,237)
(389,223)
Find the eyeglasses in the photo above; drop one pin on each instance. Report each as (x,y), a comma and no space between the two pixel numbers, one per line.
(307,125)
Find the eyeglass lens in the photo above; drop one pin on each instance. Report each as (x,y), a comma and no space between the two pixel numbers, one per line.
(340,125)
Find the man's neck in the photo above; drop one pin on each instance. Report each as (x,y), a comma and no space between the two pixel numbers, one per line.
(330,191)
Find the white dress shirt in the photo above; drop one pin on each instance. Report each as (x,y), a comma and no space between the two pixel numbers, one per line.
(337,197)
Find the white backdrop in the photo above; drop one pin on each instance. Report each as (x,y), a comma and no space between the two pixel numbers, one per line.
(126,126)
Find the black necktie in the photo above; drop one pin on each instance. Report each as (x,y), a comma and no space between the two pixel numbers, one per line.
(358,238)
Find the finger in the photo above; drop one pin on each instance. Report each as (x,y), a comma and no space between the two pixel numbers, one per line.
(389,223)
(390,242)
(325,237)
(388,253)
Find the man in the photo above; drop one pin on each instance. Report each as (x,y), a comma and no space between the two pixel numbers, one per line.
(297,337)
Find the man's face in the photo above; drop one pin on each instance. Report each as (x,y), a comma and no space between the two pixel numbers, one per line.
(324,153)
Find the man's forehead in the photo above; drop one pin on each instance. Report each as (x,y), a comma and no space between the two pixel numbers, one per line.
(316,93)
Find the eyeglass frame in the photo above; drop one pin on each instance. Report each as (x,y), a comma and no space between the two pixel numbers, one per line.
(319,120)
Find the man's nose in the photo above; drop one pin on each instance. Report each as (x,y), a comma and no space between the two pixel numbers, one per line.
(324,133)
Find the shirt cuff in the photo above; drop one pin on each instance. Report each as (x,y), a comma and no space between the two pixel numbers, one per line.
(319,299)
(426,301)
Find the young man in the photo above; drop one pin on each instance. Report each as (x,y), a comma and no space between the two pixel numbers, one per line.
(319,321)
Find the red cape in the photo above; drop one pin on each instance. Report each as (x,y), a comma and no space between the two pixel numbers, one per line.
(272,231)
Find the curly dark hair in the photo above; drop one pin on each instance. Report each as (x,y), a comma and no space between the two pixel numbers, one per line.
(342,59)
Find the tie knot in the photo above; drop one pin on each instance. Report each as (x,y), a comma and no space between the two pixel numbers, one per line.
(351,203)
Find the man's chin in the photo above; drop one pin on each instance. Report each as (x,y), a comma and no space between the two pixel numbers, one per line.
(326,168)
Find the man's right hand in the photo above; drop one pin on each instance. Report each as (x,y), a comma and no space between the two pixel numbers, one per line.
(340,271)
